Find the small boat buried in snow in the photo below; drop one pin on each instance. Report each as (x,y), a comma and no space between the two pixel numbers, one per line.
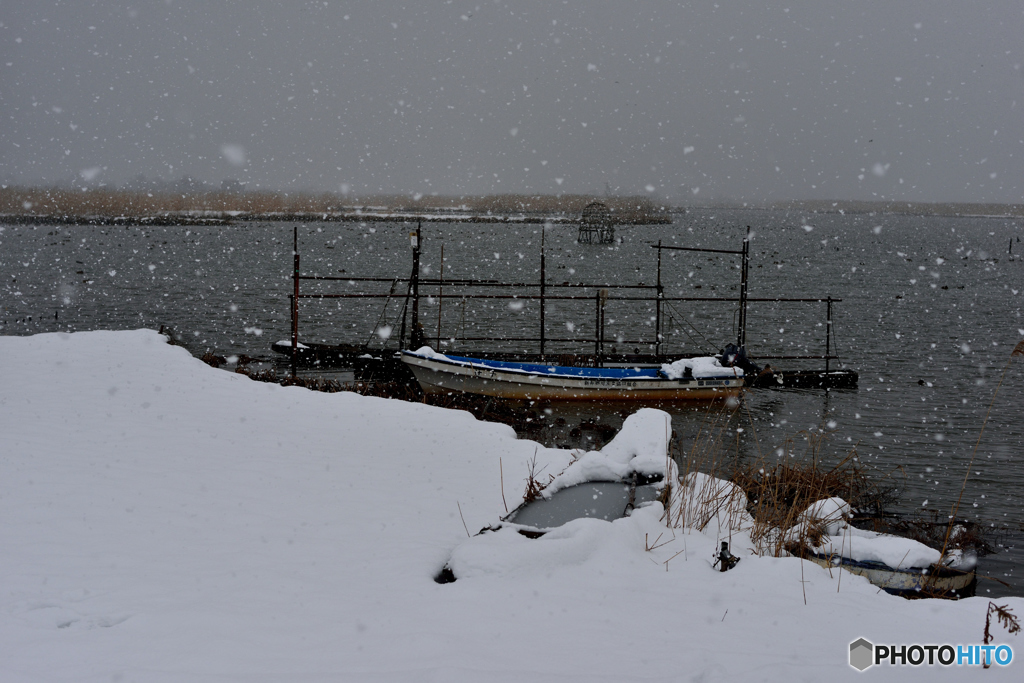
(954,577)
(897,565)
(703,378)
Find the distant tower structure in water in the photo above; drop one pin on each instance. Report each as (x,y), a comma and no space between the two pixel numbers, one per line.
(596,225)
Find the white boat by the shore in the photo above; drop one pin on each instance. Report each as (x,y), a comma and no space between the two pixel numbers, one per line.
(938,581)
(687,379)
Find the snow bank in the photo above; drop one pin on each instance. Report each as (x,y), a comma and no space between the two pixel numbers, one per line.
(641,446)
(701,367)
(166,521)
(507,553)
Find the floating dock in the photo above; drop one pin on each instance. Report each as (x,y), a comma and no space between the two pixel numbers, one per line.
(383,363)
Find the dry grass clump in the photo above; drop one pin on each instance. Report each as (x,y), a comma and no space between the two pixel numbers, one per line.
(779,492)
(213,360)
(703,496)
(778,495)
(767,498)
(266,375)
(534,484)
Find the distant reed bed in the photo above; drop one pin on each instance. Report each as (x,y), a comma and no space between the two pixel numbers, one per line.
(109,203)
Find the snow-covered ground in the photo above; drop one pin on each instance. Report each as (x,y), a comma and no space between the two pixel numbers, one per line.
(164,521)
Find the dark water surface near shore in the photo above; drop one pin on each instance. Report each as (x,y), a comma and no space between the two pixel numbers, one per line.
(930,313)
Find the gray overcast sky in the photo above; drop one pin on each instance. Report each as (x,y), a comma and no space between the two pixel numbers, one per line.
(850,99)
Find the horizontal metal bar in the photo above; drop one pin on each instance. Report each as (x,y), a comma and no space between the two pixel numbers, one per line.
(354,279)
(447,283)
(713,251)
(783,299)
(491,283)
(464,282)
(471,283)
(523,297)
(549,339)
(566,284)
(760,356)
(347,296)
(556,297)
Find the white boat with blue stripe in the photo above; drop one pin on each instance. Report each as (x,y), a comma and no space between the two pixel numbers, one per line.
(702,378)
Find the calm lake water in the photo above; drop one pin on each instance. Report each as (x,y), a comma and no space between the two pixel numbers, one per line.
(930,311)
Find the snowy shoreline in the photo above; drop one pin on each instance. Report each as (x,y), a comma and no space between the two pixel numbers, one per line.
(166,521)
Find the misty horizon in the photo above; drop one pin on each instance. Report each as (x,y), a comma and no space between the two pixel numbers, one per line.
(682,102)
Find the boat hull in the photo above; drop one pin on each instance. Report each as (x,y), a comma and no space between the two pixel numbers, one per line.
(444,377)
(940,582)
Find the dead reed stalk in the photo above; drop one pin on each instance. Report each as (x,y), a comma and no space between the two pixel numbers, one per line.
(1005,617)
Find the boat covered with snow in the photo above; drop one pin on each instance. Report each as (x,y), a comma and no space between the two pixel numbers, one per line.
(897,565)
(954,577)
(702,378)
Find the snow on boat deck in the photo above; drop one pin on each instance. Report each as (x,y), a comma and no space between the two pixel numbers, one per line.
(165,521)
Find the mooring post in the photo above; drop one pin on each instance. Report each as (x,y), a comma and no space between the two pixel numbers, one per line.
(416,335)
(741,336)
(657,309)
(542,231)
(295,302)
(828,335)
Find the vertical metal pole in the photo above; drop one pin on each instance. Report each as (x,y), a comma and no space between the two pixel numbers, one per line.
(603,295)
(542,285)
(440,298)
(828,334)
(597,329)
(657,309)
(295,301)
(405,314)
(741,337)
(416,336)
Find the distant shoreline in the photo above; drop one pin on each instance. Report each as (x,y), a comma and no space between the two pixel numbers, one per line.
(905,208)
(117,207)
(214,218)
(40,206)
(233,218)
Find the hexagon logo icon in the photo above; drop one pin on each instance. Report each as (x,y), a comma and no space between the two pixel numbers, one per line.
(861,654)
